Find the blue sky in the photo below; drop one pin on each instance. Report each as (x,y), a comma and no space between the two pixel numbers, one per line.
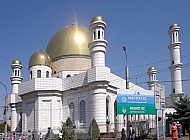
(27,26)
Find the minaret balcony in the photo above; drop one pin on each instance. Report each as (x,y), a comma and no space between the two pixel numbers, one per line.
(176,66)
(175,45)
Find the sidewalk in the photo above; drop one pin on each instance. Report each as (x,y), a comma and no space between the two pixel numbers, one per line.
(169,138)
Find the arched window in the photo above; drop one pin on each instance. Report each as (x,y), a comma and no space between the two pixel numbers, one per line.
(115,115)
(71,110)
(20,122)
(98,34)
(115,110)
(107,107)
(94,35)
(30,74)
(47,74)
(39,74)
(15,72)
(82,112)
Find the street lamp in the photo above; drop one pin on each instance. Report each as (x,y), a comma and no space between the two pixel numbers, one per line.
(127,82)
(126,68)
(5,111)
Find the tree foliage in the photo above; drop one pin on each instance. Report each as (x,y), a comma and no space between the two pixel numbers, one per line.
(94,130)
(182,107)
(67,130)
(2,126)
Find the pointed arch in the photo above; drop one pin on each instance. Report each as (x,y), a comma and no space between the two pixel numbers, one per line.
(82,111)
(72,111)
(38,73)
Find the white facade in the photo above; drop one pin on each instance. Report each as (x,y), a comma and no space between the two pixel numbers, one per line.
(68,81)
(71,80)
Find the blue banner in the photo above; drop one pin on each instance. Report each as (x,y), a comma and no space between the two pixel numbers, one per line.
(130,99)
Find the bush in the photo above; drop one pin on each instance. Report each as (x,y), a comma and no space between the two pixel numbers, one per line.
(94,131)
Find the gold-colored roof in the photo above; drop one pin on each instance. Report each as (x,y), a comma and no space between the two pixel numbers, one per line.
(97,18)
(151,69)
(71,40)
(39,58)
(174,25)
(16,61)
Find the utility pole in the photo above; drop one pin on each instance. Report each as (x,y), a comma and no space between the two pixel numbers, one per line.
(5,111)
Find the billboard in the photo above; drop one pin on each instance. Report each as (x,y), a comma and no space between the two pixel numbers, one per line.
(135,102)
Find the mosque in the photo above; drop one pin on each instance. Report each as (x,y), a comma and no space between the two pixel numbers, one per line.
(70,79)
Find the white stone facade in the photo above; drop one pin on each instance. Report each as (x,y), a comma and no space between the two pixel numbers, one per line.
(81,88)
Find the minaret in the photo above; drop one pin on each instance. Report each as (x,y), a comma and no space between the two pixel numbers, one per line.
(152,77)
(175,64)
(151,84)
(99,73)
(16,79)
(98,44)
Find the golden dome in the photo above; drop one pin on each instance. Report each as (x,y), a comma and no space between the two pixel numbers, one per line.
(97,18)
(39,58)
(16,61)
(150,69)
(174,25)
(71,40)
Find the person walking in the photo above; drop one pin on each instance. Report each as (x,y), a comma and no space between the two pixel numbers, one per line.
(131,132)
(33,138)
(179,129)
(41,136)
(174,131)
(123,135)
(11,137)
(19,138)
(26,137)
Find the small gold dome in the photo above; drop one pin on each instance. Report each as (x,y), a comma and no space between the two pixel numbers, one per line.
(97,18)
(71,40)
(150,69)
(39,58)
(16,61)
(174,25)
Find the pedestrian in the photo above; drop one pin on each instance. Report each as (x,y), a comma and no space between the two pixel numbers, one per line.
(123,135)
(26,137)
(41,137)
(179,129)
(11,137)
(19,138)
(23,137)
(33,138)
(131,132)
(174,131)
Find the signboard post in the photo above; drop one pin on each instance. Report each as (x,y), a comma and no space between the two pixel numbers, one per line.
(160,93)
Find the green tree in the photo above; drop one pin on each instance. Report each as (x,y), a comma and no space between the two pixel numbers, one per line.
(67,130)
(182,107)
(2,125)
(94,130)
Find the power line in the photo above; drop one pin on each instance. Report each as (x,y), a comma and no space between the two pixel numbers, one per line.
(158,71)
(148,64)
(157,62)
